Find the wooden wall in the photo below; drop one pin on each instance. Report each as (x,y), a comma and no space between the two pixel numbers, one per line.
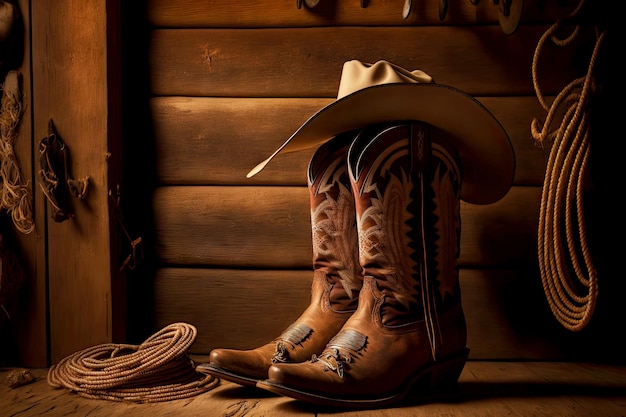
(229,81)
(72,292)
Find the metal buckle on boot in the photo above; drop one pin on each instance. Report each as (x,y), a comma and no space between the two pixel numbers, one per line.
(333,360)
(348,339)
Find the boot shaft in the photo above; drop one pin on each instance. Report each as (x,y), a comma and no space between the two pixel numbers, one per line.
(407,181)
(333,222)
(337,276)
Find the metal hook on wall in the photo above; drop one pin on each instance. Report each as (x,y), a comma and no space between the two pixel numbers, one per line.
(509,11)
(509,14)
(406,9)
(312,3)
(309,3)
(56,182)
(443,9)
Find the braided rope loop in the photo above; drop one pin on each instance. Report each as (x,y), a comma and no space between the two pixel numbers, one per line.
(15,194)
(566,266)
(157,370)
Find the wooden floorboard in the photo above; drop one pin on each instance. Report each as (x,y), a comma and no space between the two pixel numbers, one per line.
(551,389)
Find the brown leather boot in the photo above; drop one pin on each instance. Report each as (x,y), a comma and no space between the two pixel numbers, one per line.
(337,276)
(409,332)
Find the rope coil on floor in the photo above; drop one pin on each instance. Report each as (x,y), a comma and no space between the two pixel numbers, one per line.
(568,274)
(157,370)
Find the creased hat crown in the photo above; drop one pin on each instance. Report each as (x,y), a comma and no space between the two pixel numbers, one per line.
(357,75)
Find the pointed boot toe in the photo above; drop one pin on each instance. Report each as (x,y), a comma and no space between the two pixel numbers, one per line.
(369,366)
(300,381)
(244,367)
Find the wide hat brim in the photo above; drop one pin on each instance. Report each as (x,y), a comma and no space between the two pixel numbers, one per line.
(487,157)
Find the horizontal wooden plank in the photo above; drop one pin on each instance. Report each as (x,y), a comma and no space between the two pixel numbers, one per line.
(269,227)
(284,13)
(504,232)
(233,226)
(203,141)
(287,63)
(216,141)
(230,308)
(507,315)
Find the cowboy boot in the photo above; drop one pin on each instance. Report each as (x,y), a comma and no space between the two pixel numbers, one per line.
(337,277)
(409,331)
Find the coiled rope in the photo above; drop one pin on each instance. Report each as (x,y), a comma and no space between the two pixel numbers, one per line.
(15,194)
(568,274)
(157,370)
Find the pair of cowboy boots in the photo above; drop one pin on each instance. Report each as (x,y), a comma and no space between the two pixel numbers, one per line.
(385,317)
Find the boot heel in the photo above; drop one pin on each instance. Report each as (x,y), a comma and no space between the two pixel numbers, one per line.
(446,374)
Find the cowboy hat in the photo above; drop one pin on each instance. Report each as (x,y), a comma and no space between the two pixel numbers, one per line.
(383,92)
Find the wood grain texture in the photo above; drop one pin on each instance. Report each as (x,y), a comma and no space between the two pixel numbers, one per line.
(485,389)
(269,227)
(216,141)
(233,226)
(231,308)
(277,62)
(70,86)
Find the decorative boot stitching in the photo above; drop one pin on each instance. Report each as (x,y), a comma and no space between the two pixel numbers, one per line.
(333,218)
(296,334)
(334,231)
(389,216)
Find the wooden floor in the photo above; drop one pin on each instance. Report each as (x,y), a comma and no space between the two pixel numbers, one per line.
(525,389)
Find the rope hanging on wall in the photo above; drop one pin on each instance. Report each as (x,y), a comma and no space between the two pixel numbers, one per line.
(568,274)
(157,370)
(15,194)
